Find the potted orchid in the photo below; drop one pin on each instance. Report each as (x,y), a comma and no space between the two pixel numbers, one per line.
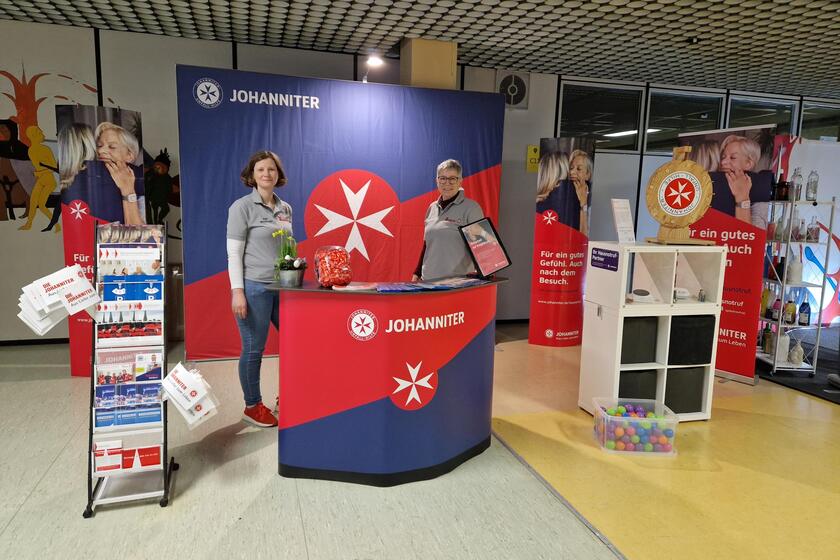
(288,268)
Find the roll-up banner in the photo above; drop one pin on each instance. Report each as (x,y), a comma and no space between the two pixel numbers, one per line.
(361,162)
(561,227)
(732,156)
(97,148)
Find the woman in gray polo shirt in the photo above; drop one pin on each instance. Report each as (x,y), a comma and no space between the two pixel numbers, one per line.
(444,252)
(252,251)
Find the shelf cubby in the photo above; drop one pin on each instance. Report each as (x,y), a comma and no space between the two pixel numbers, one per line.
(662,350)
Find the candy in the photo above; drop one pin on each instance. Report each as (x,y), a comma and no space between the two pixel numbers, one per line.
(332,266)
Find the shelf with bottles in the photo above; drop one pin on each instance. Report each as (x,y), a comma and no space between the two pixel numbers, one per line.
(789,227)
(797,190)
(794,284)
(784,364)
(791,326)
(784,313)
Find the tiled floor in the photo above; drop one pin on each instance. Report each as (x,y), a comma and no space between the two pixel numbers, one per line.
(229,502)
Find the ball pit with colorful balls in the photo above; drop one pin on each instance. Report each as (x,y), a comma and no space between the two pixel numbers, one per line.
(632,428)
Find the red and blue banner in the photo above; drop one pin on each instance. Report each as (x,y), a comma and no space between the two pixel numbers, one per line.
(561,227)
(360,160)
(384,389)
(89,196)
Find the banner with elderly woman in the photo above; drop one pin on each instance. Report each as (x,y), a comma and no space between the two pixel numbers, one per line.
(100,167)
(561,229)
(739,161)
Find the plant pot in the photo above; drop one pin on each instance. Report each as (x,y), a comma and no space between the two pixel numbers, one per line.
(289,278)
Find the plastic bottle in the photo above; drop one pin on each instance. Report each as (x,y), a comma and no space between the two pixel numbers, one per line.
(813,231)
(790,312)
(805,313)
(796,354)
(796,185)
(794,225)
(782,347)
(766,334)
(811,188)
(769,340)
(794,271)
(777,309)
(765,301)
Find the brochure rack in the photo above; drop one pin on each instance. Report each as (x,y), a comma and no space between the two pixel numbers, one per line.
(650,325)
(128,457)
(798,232)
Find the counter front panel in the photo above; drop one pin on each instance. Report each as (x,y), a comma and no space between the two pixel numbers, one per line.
(384,389)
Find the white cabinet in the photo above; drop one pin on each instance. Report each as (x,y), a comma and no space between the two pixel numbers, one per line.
(650,325)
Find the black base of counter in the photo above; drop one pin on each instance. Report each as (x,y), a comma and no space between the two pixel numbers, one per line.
(389,479)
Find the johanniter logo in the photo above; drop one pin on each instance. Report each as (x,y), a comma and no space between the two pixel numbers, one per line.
(208,93)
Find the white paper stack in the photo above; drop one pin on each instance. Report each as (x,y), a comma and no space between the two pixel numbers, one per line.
(48,300)
(191,395)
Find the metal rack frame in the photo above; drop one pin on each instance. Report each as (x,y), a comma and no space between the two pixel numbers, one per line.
(809,364)
(96,491)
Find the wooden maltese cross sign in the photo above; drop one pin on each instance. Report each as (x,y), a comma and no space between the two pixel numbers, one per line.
(679,193)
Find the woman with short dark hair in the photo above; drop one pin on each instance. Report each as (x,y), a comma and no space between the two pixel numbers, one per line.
(252,250)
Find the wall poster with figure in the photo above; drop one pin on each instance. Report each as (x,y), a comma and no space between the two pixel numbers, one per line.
(739,162)
(101,178)
(561,229)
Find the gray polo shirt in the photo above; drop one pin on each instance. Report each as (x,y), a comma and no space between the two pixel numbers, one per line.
(252,221)
(446,253)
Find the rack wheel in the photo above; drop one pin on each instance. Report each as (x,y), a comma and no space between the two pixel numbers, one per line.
(175,466)
(88,513)
(164,502)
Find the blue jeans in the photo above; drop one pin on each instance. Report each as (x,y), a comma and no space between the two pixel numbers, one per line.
(253,330)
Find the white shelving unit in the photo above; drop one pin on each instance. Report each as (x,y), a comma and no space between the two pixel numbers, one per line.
(787,240)
(648,349)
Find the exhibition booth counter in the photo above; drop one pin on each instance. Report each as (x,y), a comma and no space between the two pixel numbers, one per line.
(384,388)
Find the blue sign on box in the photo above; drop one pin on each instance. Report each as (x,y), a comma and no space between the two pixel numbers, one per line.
(603,258)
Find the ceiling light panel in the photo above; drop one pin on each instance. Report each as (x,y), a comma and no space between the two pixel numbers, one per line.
(743,44)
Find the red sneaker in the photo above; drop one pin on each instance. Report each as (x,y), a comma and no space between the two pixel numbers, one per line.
(259,415)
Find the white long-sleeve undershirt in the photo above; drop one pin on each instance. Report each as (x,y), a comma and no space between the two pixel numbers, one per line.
(236,269)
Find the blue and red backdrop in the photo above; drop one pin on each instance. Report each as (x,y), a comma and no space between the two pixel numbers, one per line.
(360,160)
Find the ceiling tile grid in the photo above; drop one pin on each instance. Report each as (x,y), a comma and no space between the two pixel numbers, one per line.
(779,46)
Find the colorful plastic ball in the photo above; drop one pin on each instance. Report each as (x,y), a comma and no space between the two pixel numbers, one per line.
(629,407)
(666,448)
(631,431)
(641,432)
(610,444)
(656,433)
(621,410)
(668,432)
(634,439)
(663,440)
(645,425)
(619,432)
(644,439)
(650,415)
(641,411)
(656,447)
(611,411)
(648,447)
(619,445)
(633,415)
(625,438)
(629,447)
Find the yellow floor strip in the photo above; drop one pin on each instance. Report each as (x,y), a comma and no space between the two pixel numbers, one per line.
(760,480)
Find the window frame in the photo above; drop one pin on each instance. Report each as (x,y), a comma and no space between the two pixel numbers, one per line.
(614,85)
(686,92)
